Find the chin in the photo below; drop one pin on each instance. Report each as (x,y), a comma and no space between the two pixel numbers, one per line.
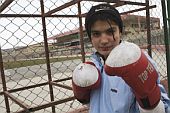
(105,53)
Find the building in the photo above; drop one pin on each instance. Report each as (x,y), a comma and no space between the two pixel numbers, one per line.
(136,23)
(68,43)
(133,24)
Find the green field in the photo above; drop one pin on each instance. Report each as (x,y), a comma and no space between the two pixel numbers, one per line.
(30,62)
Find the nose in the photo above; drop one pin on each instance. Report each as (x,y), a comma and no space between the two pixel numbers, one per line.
(104,39)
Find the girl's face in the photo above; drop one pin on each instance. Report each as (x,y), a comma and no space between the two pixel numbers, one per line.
(105,36)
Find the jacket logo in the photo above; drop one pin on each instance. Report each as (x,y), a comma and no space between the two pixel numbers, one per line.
(113,90)
(144,75)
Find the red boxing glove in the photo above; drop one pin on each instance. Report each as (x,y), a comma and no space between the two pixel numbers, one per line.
(86,77)
(128,61)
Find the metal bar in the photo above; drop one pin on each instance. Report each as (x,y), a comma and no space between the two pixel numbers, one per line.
(43,106)
(166,39)
(131,11)
(5,4)
(19,102)
(148,29)
(25,88)
(119,1)
(4,82)
(167,44)
(52,103)
(62,86)
(62,7)
(47,53)
(140,9)
(108,1)
(36,15)
(118,4)
(134,3)
(37,85)
(81,32)
(67,16)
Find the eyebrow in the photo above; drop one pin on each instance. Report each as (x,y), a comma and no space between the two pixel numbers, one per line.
(95,31)
(104,30)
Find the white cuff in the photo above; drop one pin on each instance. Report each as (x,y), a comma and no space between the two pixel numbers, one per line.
(158,109)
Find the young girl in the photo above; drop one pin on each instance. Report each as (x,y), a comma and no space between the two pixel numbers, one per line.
(112,94)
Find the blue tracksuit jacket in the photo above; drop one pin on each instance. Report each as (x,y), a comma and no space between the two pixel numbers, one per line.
(115,96)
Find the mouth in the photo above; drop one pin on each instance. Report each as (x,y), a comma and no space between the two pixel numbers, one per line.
(105,48)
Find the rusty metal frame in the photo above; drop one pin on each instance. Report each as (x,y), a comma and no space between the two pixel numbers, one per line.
(5,4)
(7,93)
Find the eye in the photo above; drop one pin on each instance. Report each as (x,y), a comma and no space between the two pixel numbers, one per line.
(110,31)
(95,33)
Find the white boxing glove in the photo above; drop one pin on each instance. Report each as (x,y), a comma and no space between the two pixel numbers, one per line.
(85,78)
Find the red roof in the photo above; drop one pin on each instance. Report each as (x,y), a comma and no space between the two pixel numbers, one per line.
(65,34)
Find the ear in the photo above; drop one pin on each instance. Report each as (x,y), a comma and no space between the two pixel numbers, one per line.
(120,34)
(92,42)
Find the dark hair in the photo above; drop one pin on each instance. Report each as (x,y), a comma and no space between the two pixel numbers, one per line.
(102,12)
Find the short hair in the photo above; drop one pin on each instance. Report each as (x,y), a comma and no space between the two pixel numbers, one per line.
(102,12)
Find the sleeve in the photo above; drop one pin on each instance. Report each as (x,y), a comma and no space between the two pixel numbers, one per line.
(164,96)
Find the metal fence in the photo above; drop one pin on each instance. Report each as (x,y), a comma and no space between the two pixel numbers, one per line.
(42,41)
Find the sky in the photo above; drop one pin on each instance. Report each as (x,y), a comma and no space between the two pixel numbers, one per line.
(17,31)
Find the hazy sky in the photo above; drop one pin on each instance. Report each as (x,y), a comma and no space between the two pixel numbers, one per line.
(25,31)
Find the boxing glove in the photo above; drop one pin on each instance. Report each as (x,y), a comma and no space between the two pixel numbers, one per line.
(86,77)
(128,61)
